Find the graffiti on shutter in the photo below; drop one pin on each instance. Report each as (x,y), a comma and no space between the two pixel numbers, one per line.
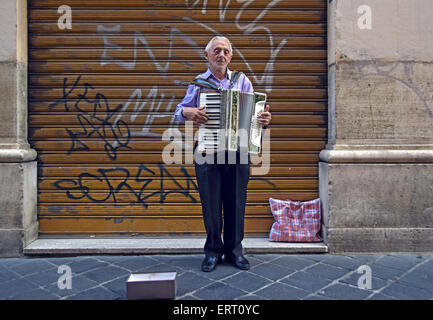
(102,93)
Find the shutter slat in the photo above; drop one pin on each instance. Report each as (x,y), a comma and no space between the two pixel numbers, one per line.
(151,14)
(173,170)
(176,4)
(148,226)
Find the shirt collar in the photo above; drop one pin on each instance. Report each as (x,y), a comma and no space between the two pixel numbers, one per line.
(209,73)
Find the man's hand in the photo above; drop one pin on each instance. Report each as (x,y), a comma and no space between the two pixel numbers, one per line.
(196,115)
(265,116)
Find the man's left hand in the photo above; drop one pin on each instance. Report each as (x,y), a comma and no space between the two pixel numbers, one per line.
(265,116)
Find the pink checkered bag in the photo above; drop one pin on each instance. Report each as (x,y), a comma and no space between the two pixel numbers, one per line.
(295,221)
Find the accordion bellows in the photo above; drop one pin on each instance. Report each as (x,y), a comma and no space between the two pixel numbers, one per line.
(233,121)
(295,221)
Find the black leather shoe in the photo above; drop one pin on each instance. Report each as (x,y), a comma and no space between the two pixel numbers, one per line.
(209,263)
(239,262)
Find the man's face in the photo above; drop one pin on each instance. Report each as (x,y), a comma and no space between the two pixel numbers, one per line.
(218,55)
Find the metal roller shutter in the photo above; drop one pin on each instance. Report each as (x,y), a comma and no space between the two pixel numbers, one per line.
(102,93)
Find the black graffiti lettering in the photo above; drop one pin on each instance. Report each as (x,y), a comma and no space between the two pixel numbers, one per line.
(114,133)
(77,145)
(84,182)
(64,99)
(71,185)
(101,188)
(183,191)
(141,194)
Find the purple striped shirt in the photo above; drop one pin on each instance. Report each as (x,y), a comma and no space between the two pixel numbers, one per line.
(192,96)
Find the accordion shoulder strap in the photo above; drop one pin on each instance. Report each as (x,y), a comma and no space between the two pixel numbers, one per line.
(235,77)
(205,84)
(209,85)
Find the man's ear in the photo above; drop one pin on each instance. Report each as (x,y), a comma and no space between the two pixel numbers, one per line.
(206,55)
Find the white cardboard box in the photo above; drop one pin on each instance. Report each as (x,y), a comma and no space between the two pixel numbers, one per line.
(151,285)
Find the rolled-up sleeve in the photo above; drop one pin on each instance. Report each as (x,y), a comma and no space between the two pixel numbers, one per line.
(190,100)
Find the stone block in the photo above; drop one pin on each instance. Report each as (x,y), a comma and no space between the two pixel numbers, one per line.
(8,102)
(18,194)
(383,103)
(373,240)
(378,207)
(398,29)
(18,205)
(11,243)
(378,195)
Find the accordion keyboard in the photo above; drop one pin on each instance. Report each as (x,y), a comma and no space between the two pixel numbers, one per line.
(212,102)
(233,121)
(209,138)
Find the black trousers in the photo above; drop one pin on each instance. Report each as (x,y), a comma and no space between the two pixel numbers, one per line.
(223,188)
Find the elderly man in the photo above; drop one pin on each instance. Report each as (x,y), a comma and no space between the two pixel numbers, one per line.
(221,186)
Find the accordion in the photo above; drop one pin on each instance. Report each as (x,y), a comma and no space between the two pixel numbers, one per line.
(233,121)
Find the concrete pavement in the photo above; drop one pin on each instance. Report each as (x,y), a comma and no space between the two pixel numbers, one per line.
(272,276)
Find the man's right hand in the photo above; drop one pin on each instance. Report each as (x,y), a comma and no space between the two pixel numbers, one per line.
(196,115)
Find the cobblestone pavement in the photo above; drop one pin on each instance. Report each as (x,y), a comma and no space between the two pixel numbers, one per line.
(271,276)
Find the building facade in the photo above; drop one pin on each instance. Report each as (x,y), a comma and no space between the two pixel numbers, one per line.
(89,88)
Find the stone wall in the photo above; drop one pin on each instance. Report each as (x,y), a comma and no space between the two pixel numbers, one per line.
(377,167)
(18,174)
